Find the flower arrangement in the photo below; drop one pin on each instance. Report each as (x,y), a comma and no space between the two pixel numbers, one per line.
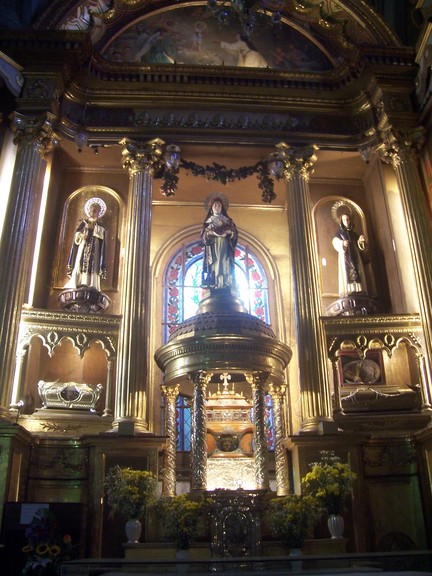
(46,546)
(292,518)
(129,491)
(183,518)
(329,481)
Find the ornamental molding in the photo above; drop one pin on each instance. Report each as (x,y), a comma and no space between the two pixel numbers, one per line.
(81,329)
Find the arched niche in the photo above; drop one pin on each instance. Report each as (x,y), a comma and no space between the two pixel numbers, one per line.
(325,226)
(73,213)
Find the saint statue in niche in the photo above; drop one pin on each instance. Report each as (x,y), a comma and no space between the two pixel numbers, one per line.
(86,263)
(352,253)
(219,235)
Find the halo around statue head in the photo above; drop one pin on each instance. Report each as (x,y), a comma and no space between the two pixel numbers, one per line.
(211,199)
(98,201)
(340,208)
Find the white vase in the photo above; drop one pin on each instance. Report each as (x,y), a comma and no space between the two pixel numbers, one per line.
(182,567)
(296,565)
(335,524)
(133,531)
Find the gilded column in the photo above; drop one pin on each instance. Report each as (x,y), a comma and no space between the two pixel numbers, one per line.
(141,161)
(108,410)
(169,457)
(257,380)
(400,149)
(35,138)
(312,356)
(281,461)
(199,430)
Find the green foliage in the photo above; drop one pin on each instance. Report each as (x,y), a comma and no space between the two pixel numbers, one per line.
(183,518)
(129,491)
(329,481)
(292,518)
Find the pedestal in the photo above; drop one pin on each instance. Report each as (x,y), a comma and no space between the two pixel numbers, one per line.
(84,299)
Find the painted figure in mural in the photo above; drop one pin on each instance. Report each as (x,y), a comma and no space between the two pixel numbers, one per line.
(352,254)
(86,263)
(219,235)
(155,48)
(248,55)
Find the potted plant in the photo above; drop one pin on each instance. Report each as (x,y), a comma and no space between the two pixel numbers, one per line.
(330,482)
(183,518)
(47,545)
(292,519)
(129,492)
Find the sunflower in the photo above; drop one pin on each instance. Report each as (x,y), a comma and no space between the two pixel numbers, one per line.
(54,550)
(42,549)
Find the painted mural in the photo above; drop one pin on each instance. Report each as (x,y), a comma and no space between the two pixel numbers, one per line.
(192,35)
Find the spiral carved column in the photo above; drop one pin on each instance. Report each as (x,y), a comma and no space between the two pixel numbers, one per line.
(257,380)
(281,462)
(169,457)
(200,380)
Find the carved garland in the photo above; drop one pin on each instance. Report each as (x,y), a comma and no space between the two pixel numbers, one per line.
(221,174)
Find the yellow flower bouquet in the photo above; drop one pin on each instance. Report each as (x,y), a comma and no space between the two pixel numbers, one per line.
(292,518)
(130,491)
(183,518)
(329,481)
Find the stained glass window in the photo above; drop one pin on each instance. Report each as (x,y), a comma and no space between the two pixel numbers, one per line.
(183,292)
(183,423)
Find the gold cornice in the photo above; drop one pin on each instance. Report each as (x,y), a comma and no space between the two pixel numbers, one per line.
(81,329)
(364,332)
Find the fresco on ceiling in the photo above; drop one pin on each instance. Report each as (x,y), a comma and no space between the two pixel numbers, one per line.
(192,35)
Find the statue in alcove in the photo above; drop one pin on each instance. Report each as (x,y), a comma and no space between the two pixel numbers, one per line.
(353,257)
(219,235)
(86,263)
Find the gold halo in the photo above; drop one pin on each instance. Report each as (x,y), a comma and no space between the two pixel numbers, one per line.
(340,208)
(208,202)
(95,200)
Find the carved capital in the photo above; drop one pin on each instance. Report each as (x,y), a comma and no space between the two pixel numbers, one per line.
(138,157)
(170,392)
(37,131)
(200,378)
(395,146)
(277,391)
(257,380)
(297,162)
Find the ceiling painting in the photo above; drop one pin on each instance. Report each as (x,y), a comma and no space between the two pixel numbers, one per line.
(192,36)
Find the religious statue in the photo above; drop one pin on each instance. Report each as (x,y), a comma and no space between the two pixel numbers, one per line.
(219,235)
(352,254)
(86,263)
